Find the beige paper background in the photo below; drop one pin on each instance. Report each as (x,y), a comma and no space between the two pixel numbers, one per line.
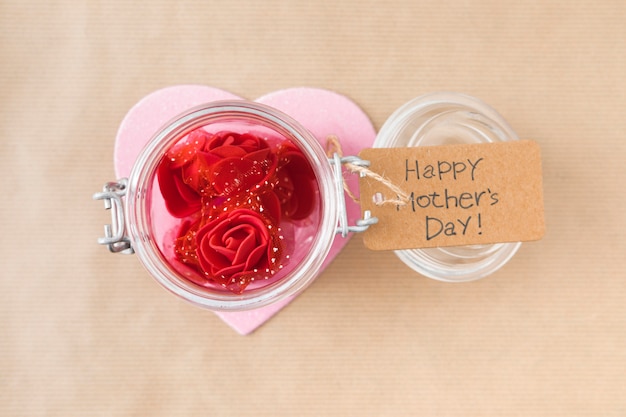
(83,332)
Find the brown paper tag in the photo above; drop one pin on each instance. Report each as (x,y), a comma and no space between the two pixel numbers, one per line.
(457,195)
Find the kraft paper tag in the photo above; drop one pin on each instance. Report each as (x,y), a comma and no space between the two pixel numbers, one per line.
(454,195)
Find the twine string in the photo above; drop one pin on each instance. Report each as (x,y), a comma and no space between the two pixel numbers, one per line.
(334,146)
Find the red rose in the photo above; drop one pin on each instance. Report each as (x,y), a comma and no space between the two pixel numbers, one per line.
(228,144)
(245,163)
(236,247)
(177,175)
(205,165)
(295,183)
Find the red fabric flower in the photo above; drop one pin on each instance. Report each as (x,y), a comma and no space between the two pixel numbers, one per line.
(236,247)
(295,183)
(179,186)
(244,162)
(205,165)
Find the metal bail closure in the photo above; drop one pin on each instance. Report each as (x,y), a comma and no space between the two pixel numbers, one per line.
(114,237)
(362,224)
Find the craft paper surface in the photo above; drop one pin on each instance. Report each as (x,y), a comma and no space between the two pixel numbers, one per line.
(454,195)
(84,332)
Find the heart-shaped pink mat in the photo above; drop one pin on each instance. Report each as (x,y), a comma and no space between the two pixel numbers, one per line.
(322,112)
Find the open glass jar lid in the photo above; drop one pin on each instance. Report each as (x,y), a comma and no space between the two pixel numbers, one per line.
(447,119)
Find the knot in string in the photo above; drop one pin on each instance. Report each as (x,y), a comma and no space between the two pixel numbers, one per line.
(333,146)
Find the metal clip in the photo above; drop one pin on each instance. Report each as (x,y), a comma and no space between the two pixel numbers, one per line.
(362,224)
(114,237)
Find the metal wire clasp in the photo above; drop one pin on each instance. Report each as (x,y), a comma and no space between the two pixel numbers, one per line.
(362,224)
(114,237)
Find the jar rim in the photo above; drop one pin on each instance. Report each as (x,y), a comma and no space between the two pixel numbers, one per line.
(138,195)
(413,108)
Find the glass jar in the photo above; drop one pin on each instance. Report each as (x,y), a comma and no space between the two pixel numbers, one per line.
(144,225)
(441,119)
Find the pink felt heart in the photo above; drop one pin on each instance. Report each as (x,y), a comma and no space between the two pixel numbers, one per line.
(322,112)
